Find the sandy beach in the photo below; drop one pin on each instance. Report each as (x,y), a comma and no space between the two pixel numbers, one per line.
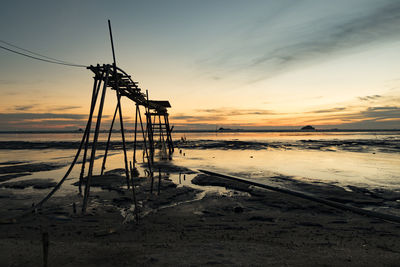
(234,224)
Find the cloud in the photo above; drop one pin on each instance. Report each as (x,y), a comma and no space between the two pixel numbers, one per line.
(370,114)
(238,112)
(328,110)
(26,121)
(198,118)
(379,113)
(24,107)
(221,116)
(40,108)
(269,52)
(62,108)
(42,116)
(369,97)
(382,115)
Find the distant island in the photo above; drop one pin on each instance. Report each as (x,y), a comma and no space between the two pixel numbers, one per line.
(308,128)
(229,129)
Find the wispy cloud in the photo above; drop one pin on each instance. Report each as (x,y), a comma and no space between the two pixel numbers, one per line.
(41,109)
(346,115)
(11,121)
(24,107)
(31,116)
(312,41)
(379,113)
(330,110)
(63,108)
(369,97)
(238,112)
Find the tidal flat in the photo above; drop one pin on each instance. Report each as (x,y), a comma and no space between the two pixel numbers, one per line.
(190,218)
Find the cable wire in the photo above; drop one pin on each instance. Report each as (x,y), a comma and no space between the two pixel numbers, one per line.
(34,53)
(42,59)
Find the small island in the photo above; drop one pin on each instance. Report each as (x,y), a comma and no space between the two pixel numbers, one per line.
(308,128)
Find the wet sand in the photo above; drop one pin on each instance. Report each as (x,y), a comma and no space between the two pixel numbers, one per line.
(184,226)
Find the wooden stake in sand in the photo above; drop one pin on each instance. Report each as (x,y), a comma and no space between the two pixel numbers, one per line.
(159,180)
(45,242)
(152,183)
(134,194)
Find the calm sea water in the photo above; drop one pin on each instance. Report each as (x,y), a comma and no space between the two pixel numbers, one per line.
(367,159)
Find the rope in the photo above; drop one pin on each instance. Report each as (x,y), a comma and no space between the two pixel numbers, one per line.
(42,59)
(34,53)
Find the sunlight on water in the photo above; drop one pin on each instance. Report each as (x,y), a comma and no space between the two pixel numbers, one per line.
(345,168)
(333,165)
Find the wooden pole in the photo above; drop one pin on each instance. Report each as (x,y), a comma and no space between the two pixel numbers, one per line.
(123,138)
(149,162)
(95,93)
(112,42)
(45,242)
(103,166)
(135,138)
(159,180)
(162,139)
(116,87)
(152,183)
(169,137)
(134,195)
(96,135)
(149,128)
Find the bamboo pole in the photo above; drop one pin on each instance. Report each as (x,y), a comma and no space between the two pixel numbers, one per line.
(149,162)
(149,127)
(159,180)
(96,135)
(135,138)
(169,137)
(134,195)
(45,243)
(103,166)
(96,88)
(123,138)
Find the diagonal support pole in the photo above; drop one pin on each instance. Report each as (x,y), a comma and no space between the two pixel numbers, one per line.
(96,89)
(135,138)
(103,166)
(123,138)
(95,138)
(149,162)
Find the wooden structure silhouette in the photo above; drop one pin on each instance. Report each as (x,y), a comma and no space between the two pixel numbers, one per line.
(109,76)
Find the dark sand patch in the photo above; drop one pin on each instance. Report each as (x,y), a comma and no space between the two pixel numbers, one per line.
(7,177)
(35,183)
(30,167)
(167,166)
(12,162)
(108,181)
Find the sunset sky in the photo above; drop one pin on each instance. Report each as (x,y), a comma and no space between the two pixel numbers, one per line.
(221,63)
